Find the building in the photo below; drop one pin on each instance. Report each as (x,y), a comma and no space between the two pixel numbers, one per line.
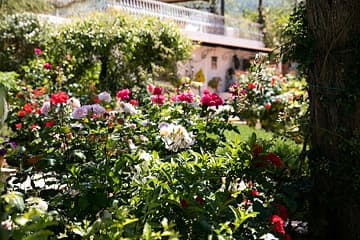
(225,46)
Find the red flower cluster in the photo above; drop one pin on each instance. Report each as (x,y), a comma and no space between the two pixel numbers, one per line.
(185,97)
(274,159)
(60,97)
(123,94)
(210,100)
(157,91)
(263,159)
(277,221)
(278,224)
(28,107)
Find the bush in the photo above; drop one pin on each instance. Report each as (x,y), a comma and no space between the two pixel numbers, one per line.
(138,171)
(279,103)
(19,35)
(117,51)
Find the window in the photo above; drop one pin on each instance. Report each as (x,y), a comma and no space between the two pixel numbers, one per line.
(213,62)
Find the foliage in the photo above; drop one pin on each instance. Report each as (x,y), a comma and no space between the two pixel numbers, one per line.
(278,102)
(297,43)
(19,6)
(117,51)
(19,35)
(115,174)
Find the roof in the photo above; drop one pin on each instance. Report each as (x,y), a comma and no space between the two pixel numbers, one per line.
(226,41)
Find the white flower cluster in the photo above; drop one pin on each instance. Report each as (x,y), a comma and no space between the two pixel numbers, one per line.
(175,137)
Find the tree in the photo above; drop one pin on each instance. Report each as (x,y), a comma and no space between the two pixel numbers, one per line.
(35,6)
(334,92)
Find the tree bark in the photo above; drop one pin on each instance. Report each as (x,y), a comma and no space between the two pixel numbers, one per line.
(334,91)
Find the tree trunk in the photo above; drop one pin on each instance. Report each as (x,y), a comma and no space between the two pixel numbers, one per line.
(334,91)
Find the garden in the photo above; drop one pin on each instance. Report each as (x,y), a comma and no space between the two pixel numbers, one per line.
(103,149)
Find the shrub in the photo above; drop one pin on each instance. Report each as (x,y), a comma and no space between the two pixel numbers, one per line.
(138,171)
(19,35)
(118,51)
(279,103)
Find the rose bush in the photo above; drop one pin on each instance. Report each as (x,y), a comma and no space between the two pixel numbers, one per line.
(106,167)
(279,102)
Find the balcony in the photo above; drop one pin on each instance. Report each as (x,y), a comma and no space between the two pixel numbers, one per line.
(199,25)
(191,20)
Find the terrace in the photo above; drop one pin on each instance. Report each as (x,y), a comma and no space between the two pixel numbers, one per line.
(199,25)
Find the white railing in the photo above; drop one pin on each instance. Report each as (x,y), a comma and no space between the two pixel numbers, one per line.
(186,18)
(190,19)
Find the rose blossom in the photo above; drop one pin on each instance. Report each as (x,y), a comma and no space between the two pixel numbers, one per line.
(158,99)
(123,94)
(37,51)
(60,97)
(47,65)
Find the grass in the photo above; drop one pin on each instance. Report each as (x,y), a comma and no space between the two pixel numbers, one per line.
(246,132)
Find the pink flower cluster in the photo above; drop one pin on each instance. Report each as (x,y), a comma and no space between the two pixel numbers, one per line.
(157,94)
(123,94)
(187,96)
(211,100)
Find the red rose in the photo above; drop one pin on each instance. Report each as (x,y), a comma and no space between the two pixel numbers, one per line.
(27,108)
(184,203)
(157,91)
(134,102)
(60,97)
(34,126)
(251,86)
(21,113)
(278,224)
(49,123)
(254,192)
(275,159)
(18,125)
(96,99)
(267,105)
(200,200)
